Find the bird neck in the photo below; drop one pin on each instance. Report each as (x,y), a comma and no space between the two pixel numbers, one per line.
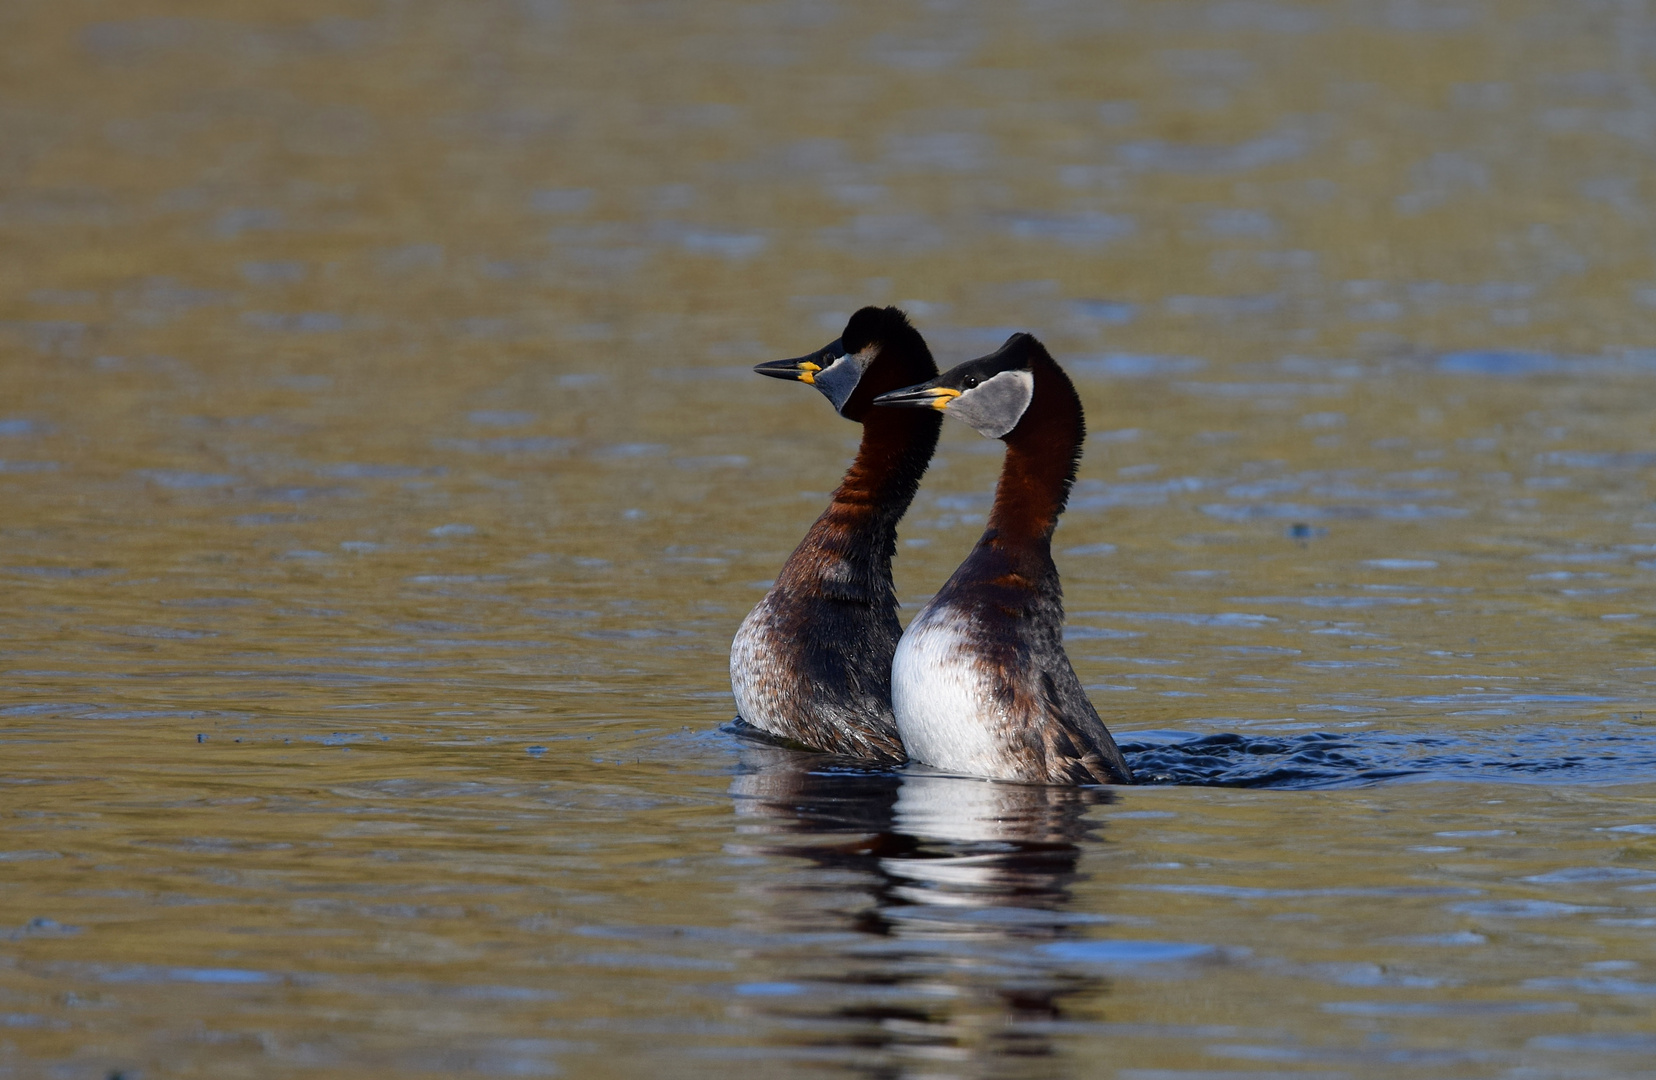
(897,446)
(1042,455)
(857,534)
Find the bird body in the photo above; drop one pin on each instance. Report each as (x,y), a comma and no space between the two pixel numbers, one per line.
(811,664)
(980,680)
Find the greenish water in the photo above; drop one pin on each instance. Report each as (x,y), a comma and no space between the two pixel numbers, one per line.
(382,479)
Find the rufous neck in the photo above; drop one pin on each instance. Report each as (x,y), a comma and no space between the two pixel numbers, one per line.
(1042,454)
(897,445)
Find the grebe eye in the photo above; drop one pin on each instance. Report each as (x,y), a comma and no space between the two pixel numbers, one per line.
(970,382)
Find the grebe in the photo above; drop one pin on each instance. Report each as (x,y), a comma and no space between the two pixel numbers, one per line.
(980,683)
(811,663)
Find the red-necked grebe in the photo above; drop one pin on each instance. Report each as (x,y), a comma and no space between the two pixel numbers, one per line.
(980,681)
(811,663)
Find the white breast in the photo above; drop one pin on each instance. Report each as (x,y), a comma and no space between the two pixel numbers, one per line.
(944,704)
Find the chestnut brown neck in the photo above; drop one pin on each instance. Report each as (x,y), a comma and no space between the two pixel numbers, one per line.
(897,445)
(1042,455)
(860,524)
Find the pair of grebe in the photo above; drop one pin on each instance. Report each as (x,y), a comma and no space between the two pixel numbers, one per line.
(979,683)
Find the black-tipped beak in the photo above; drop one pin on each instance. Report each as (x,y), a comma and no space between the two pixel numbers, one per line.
(802,370)
(921,396)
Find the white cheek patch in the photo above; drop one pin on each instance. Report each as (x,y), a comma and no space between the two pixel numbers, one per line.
(838,381)
(995,406)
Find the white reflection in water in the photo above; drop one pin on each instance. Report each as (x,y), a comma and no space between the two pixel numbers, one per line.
(948,883)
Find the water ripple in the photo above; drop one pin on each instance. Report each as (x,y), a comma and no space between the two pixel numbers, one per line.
(1608,753)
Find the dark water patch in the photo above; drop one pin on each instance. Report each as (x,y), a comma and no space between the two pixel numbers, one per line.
(41,927)
(237,220)
(1244,892)
(1155,155)
(637,633)
(59,571)
(1333,601)
(969,338)
(456,579)
(1222,307)
(1099,496)
(520,444)
(1235,390)
(560,613)
(172,633)
(1610,753)
(725,245)
(1591,875)
(561,200)
(1113,312)
(628,451)
(1306,511)
(1097,633)
(48,336)
(500,418)
(1595,985)
(1579,556)
(1519,364)
(49,708)
(1116,953)
(887,234)
(253,521)
(275,272)
(1580,459)
(354,470)
(183,480)
(1486,698)
(1086,229)
(1187,618)
(146,973)
(1607,1043)
(133,42)
(1509,365)
(1303,760)
(712,461)
(1135,365)
(303,322)
(1523,909)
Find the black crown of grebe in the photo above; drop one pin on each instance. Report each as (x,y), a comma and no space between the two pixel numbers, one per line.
(980,683)
(811,663)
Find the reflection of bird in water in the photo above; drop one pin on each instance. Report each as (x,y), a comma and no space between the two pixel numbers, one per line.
(991,845)
(811,663)
(906,907)
(980,683)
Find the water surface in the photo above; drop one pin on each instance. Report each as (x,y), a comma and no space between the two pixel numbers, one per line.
(382,480)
